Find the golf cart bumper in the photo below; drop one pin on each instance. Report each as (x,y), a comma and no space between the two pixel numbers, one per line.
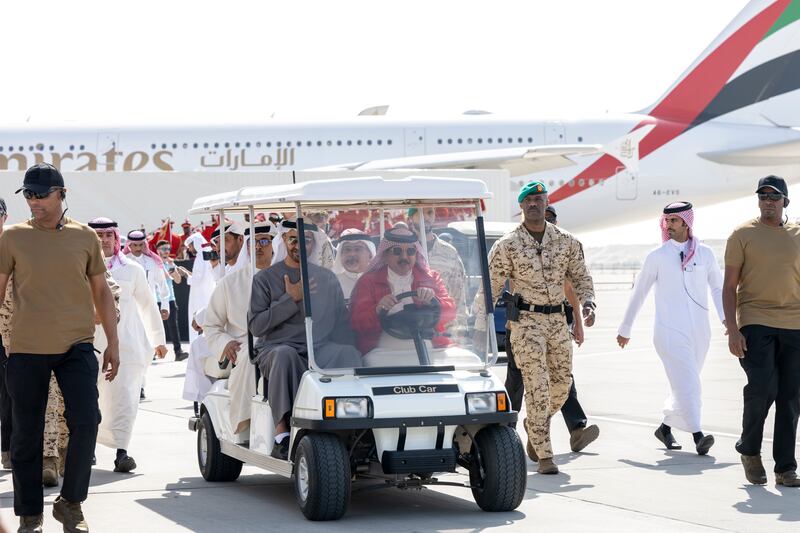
(194,422)
(405,422)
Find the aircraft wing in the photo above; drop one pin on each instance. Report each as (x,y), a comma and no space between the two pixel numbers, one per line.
(782,153)
(518,161)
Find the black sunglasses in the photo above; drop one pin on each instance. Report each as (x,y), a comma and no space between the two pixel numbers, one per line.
(398,251)
(29,194)
(771,196)
(264,242)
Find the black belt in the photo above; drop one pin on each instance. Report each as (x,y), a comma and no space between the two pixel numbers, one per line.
(544,309)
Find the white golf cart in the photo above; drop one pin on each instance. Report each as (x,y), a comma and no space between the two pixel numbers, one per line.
(421,402)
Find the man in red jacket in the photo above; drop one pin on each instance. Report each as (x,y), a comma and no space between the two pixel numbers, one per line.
(398,267)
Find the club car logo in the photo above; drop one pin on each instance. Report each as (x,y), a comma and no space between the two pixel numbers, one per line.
(414,389)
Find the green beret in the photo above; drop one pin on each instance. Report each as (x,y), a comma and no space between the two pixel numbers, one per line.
(411,211)
(534,187)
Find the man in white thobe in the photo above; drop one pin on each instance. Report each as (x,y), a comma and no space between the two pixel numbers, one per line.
(140,333)
(683,271)
(136,249)
(225,325)
(353,253)
(235,254)
(201,281)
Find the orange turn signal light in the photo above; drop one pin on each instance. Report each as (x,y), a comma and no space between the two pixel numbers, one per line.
(502,402)
(329,408)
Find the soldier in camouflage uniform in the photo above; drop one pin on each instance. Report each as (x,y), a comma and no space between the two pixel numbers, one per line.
(56,433)
(6,308)
(537,258)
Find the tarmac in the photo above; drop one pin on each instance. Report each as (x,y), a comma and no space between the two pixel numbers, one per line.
(625,481)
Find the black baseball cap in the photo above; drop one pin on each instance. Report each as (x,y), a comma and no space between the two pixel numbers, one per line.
(41,177)
(552,210)
(774,182)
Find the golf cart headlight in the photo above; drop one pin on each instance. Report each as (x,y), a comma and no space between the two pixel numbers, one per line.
(481,402)
(357,407)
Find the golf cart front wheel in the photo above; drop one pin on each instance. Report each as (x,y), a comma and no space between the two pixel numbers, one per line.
(214,465)
(322,477)
(497,471)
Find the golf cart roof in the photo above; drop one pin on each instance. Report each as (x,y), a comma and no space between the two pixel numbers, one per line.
(372,191)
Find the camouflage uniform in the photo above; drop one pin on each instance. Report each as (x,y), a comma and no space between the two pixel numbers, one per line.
(444,259)
(56,433)
(541,343)
(6,310)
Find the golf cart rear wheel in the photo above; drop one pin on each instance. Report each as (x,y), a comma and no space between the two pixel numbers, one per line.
(497,472)
(322,477)
(214,465)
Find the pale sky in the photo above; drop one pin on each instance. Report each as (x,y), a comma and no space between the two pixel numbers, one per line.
(162,62)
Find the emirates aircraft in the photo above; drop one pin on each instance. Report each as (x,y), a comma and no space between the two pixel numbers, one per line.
(731,118)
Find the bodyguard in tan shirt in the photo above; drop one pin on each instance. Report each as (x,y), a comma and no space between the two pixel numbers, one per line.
(59,279)
(761,297)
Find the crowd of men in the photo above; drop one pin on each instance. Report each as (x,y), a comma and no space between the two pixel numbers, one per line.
(108,301)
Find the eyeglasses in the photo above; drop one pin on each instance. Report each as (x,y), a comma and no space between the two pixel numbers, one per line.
(264,242)
(29,194)
(398,251)
(293,240)
(771,196)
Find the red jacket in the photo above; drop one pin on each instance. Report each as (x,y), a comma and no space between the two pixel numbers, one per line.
(373,286)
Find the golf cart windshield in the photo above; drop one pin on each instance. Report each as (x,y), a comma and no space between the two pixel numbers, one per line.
(381,281)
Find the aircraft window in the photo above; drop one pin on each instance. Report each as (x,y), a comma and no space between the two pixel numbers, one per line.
(268,144)
(439,141)
(194,145)
(227,145)
(460,141)
(247,145)
(1,148)
(581,182)
(580,139)
(236,145)
(349,142)
(278,144)
(152,146)
(449,141)
(174,146)
(480,140)
(289,144)
(552,183)
(319,143)
(380,142)
(185,146)
(30,148)
(571,183)
(258,144)
(329,143)
(369,142)
(591,181)
(216,145)
(499,140)
(469,141)
(338,143)
(299,143)
(510,139)
(530,139)
(10,148)
(389,142)
(489,140)
(358,142)
(519,139)
(205,145)
(40,147)
(560,182)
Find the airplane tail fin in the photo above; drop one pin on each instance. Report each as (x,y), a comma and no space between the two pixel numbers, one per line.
(750,74)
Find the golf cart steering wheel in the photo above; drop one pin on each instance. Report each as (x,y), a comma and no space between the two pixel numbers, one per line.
(412,320)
